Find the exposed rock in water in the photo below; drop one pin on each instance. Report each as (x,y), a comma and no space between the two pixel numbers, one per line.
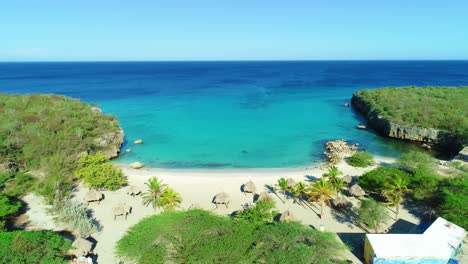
(363,127)
(110,143)
(337,150)
(138,141)
(136,165)
(346,104)
(412,133)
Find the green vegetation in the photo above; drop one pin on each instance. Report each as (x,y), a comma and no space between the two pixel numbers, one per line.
(99,173)
(394,190)
(160,195)
(198,236)
(321,192)
(33,247)
(77,217)
(361,159)
(374,181)
(454,205)
(48,133)
(262,212)
(415,159)
(372,214)
(430,107)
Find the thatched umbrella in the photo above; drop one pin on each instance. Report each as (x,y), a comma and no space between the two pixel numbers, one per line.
(133,190)
(264,196)
(357,191)
(291,182)
(82,247)
(93,196)
(121,209)
(286,216)
(341,202)
(222,198)
(347,179)
(249,187)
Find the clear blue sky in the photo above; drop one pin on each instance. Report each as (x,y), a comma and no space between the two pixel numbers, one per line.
(66,30)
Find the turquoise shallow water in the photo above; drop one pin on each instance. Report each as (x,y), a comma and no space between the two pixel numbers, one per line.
(230,114)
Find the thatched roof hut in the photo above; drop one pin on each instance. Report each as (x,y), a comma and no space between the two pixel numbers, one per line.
(222,198)
(133,190)
(291,182)
(264,196)
(342,202)
(92,196)
(357,191)
(249,187)
(121,209)
(347,179)
(286,216)
(82,247)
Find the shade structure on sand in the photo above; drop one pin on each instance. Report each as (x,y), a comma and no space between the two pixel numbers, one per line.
(82,247)
(249,187)
(136,165)
(133,190)
(291,182)
(93,195)
(357,191)
(286,216)
(347,179)
(341,202)
(222,198)
(264,196)
(121,209)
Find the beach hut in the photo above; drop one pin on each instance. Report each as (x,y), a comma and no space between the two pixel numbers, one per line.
(438,244)
(347,179)
(263,196)
(249,187)
(342,202)
(357,191)
(286,216)
(121,209)
(81,247)
(222,198)
(291,182)
(93,196)
(133,190)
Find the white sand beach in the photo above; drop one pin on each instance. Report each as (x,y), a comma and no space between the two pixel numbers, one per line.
(198,186)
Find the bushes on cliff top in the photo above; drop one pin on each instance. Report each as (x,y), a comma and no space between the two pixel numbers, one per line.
(361,159)
(48,133)
(431,107)
(99,173)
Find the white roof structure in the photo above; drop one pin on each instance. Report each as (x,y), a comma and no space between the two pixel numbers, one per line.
(439,241)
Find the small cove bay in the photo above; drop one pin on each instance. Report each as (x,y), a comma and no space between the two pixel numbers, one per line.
(231,114)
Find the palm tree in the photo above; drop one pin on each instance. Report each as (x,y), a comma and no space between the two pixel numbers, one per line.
(333,173)
(170,199)
(394,191)
(153,195)
(298,190)
(282,186)
(338,185)
(320,191)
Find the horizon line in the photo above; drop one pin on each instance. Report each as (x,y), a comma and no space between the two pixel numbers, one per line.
(231,60)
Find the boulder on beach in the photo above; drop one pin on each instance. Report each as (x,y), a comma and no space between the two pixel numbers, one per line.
(138,141)
(136,165)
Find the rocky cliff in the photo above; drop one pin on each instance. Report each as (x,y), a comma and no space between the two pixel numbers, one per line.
(110,143)
(388,128)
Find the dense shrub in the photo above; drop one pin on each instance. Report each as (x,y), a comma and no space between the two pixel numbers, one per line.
(48,133)
(8,206)
(431,107)
(361,159)
(372,214)
(33,247)
(375,180)
(17,184)
(414,159)
(198,236)
(99,173)
(424,183)
(261,212)
(77,217)
(454,205)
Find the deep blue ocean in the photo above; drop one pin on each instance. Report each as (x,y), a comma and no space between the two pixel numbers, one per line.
(231,114)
